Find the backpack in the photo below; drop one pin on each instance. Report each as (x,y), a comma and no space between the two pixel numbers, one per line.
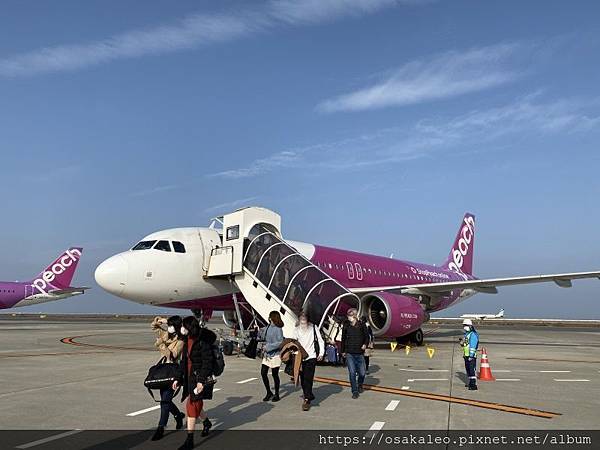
(218,360)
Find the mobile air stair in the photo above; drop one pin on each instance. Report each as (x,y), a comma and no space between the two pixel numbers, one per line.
(273,276)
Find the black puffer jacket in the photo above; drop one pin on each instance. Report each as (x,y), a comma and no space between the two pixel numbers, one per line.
(201,355)
(354,337)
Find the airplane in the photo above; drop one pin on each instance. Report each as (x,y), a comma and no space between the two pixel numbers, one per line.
(246,267)
(483,316)
(53,283)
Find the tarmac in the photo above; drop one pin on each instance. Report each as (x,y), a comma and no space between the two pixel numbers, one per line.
(59,373)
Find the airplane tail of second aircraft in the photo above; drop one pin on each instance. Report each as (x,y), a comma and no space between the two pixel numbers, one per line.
(59,274)
(460,258)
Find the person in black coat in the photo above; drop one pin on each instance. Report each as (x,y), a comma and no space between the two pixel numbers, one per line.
(197,364)
(355,338)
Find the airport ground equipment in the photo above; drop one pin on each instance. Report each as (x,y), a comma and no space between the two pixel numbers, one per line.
(272,275)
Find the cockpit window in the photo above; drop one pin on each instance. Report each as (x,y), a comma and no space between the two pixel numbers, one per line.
(163,245)
(143,245)
(178,247)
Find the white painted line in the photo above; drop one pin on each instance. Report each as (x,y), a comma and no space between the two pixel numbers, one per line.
(216,389)
(247,380)
(508,379)
(410,380)
(555,371)
(424,370)
(405,388)
(49,439)
(392,405)
(377,426)
(143,411)
(563,379)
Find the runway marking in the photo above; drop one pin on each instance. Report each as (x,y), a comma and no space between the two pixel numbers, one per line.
(392,405)
(27,355)
(404,388)
(410,380)
(143,411)
(447,398)
(247,380)
(556,360)
(425,370)
(216,389)
(555,371)
(376,426)
(575,381)
(508,379)
(49,439)
(71,341)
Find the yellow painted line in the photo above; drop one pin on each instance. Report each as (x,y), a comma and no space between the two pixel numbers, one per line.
(447,398)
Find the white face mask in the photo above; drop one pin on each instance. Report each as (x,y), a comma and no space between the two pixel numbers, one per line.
(183,331)
(171,329)
(466,328)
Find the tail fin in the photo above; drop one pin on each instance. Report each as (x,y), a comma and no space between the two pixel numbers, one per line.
(460,258)
(501,313)
(59,274)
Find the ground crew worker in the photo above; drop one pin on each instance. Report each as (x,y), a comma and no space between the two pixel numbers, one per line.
(470,342)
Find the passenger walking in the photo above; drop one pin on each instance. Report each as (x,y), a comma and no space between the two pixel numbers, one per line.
(170,345)
(272,335)
(470,342)
(198,368)
(310,339)
(355,338)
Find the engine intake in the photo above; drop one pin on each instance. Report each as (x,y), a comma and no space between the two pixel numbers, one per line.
(393,315)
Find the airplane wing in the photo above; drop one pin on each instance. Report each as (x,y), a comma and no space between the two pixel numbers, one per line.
(488,286)
(71,290)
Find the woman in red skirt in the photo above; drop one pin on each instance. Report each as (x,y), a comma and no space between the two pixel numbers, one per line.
(197,364)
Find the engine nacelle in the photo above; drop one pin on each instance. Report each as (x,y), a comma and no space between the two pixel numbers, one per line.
(393,315)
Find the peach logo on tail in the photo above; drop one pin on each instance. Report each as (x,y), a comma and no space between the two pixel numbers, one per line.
(59,267)
(466,237)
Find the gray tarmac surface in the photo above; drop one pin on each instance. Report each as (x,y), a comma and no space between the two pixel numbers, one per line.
(93,381)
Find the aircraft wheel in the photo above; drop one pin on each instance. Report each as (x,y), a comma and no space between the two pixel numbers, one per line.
(228,348)
(417,337)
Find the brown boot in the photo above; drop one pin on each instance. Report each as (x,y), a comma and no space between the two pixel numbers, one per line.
(305,405)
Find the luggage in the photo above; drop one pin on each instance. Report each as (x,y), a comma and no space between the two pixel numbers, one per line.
(332,354)
(162,375)
(251,349)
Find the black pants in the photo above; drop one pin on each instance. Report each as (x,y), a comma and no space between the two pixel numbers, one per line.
(264,373)
(367,360)
(307,376)
(470,367)
(166,406)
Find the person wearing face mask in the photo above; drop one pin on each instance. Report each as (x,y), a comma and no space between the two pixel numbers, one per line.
(198,367)
(309,337)
(470,342)
(355,338)
(170,345)
(272,336)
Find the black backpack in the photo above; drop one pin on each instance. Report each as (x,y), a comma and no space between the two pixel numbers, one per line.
(218,360)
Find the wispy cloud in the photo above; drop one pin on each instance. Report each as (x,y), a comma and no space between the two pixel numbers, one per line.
(155,190)
(190,32)
(528,117)
(229,205)
(441,76)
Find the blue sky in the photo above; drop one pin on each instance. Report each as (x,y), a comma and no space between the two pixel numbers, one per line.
(368,125)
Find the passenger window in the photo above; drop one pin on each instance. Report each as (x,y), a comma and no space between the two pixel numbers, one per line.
(178,247)
(163,246)
(143,245)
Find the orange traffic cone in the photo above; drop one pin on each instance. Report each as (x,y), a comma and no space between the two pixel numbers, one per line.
(485,371)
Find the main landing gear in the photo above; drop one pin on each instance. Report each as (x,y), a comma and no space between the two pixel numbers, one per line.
(416,337)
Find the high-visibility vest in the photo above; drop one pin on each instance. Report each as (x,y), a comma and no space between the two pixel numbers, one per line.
(467,345)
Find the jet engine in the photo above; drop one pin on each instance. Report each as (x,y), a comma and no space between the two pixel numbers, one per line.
(393,315)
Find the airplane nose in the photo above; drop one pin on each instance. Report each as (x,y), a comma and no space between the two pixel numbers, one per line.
(111,274)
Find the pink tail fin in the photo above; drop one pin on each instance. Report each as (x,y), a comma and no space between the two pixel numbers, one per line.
(460,258)
(59,274)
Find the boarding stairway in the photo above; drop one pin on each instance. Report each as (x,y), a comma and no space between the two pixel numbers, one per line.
(274,276)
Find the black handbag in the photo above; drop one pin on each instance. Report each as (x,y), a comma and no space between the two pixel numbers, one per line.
(162,375)
(251,349)
(316,343)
